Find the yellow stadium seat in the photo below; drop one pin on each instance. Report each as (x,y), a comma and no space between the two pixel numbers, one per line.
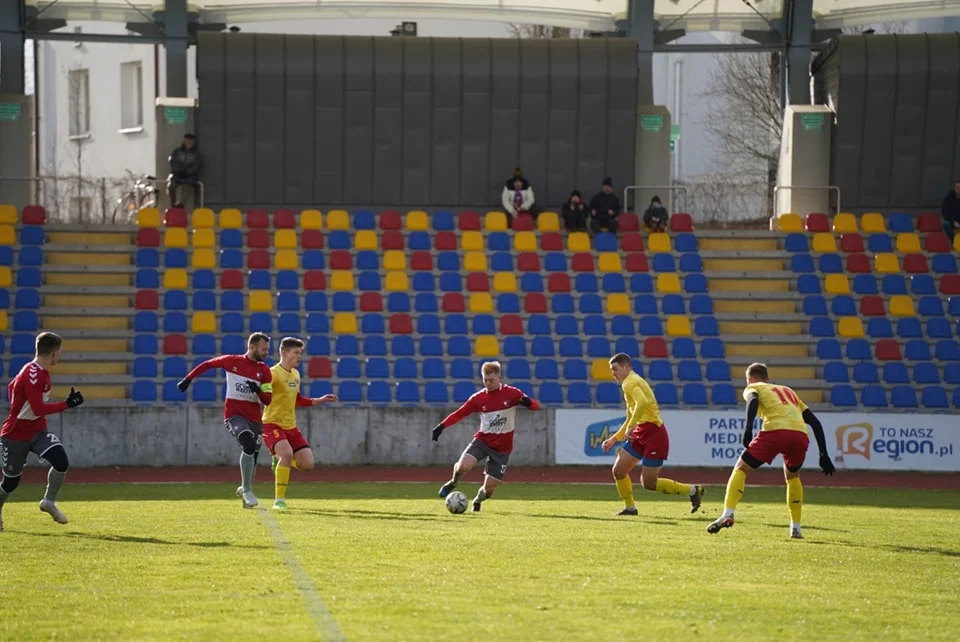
(486,346)
(3,321)
(824,242)
(204,237)
(495,222)
(286,260)
(658,242)
(338,220)
(341,281)
(345,323)
(203,259)
(548,222)
(204,322)
(285,239)
(901,305)
(175,237)
(956,243)
(394,260)
(850,327)
(610,262)
(6,277)
(504,282)
(618,304)
(471,240)
(886,263)
(8,215)
(365,240)
(600,370)
(527,242)
(260,301)
(475,262)
(231,219)
(837,284)
(203,217)
(416,221)
(311,220)
(481,302)
(678,326)
(668,283)
(908,243)
(790,223)
(148,217)
(578,242)
(8,235)
(396,281)
(175,279)
(845,223)
(872,223)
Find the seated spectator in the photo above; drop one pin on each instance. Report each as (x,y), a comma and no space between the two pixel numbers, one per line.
(656,216)
(185,165)
(950,210)
(575,213)
(517,196)
(604,208)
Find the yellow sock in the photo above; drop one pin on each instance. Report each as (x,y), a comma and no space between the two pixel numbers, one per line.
(625,489)
(283,478)
(735,486)
(670,487)
(294,465)
(795,499)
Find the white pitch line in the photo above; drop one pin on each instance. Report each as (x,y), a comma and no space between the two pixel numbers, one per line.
(326,625)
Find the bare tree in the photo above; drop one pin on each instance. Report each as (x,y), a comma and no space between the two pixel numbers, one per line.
(544,32)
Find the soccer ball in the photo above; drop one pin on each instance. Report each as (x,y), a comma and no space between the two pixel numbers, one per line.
(456,502)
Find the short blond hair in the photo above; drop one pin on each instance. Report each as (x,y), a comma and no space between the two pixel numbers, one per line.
(490,367)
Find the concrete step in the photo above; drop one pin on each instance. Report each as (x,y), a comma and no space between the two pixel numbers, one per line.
(87,303)
(90,248)
(761,328)
(97,348)
(94,228)
(87,278)
(110,290)
(87,308)
(71,321)
(89,238)
(743,283)
(90,391)
(746,263)
(765,351)
(92,257)
(104,367)
(785,307)
(709,243)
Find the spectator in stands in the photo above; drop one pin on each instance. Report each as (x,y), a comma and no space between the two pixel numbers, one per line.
(517,196)
(656,216)
(950,210)
(575,213)
(604,208)
(185,165)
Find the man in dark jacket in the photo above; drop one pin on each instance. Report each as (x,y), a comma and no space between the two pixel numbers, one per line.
(185,166)
(950,210)
(604,208)
(575,213)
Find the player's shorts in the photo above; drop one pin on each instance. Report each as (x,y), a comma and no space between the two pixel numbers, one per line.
(496,461)
(792,444)
(238,425)
(13,454)
(274,434)
(649,443)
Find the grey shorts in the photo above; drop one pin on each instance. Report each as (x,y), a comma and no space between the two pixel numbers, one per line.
(238,425)
(13,454)
(496,460)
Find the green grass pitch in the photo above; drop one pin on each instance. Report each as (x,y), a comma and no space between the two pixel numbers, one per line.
(541,562)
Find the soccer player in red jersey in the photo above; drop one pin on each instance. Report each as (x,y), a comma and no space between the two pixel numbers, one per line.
(248,385)
(496,404)
(25,428)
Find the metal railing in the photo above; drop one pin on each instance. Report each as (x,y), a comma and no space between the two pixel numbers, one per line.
(670,190)
(777,188)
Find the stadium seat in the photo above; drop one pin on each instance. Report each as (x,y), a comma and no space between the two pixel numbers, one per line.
(33,215)
(174,344)
(843,306)
(873,223)
(659,242)
(947,350)
(802,263)
(689,371)
(901,306)
(836,372)
(477,282)
(951,373)
(790,223)
(666,394)
(486,346)
(637,263)
(706,326)
(821,327)
(663,263)
(629,222)
(845,223)
(903,397)
(824,242)
(915,264)
(668,283)
(939,327)
(578,242)
(608,394)
(809,284)
(172,258)
(930,306)
(908,243)
(865,284)
(893,372)
(836,284)
(843,396)
(589,304)
(873,396)
(817,223)
(641,283)
(579,394)
(678,326)
(694,394)
(858,264)
(850,327)
(929,222)
(934,397)
(851,243)
(858,350)
(723,394)
(917,350)
(886,263)
(814,305)
(796,243)
(523,223)
(936,243)
(945,263)
(828,349)
(655,348)
(888,350)
(879,328)
(631,242)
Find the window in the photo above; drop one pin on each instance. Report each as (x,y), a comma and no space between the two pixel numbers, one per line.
(131,95)
(79,93)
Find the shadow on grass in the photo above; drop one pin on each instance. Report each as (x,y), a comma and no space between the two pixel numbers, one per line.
(809,528)
(133,539)
(642,519)
(366,514)
(891,548)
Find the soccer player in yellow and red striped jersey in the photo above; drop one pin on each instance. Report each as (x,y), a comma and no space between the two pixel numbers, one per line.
(280,433)
(648,443)
(783,432)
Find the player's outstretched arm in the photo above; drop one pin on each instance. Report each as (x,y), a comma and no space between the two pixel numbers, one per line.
(34,394)
(463,411)
(209,364)
(826,465)
(753,405)
(303,402)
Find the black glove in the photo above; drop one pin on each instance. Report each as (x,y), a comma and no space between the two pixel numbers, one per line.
(183,384)
(525,401)
(826,465)
(74,399)
(436,431)
(747,438)
(254,387)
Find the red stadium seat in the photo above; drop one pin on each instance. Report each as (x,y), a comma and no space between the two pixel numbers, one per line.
(631,242)
(258,260)
(258,239)
(371,302)
(872,306)
(258,219)
(637,262)
(511,324)
(311,239)
(391,220)
(341,260)
(929,222)
(174,344)
(528,262)
(478,282)
(175,217)
(950,284)
(33,215)
(535,303)
(888,350)
(655,348)
(551,242)
(469,221)
(453,302)
(936,242)
(148,237)
(915,264)
(818,223)
(146,300)
(851,243)
(445,241)
(392,240)
(231,280)
(421,260)
(284,220)
(582,262)
(558,282)
(401,324)
(319,368)
(314,280)
(523,223)
(858,264)
(681,222)
(628,222)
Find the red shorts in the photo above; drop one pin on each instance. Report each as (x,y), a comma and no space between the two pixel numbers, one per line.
(273,434)
(649,443)
(792,444)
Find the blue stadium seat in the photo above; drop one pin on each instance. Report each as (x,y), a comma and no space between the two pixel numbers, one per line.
(866,372)
(231,238)
(939,328)
(650,326)
(663,263)
(930,306)
(879,328)
(629,346)
(899,222)
(347,345)
(368,282)
(608,394)
(683,348)
(236,344)
(723,394)
(605,242)
(594,325)
(204,345)
(706,326)
(718,370)
(903,397)
(542,346)
(350,392)
(204,280)
(831,264)
(689,371)
(953,307)
(26,343)
(865,284)
(934,397)
(673,304)
(433,368)
(175,258)
(145,368)
(288,280)
(622,325)
(695,284)
(143,392)
(944,264)
(518,369)
(515,347)
(6,255)
(659,370)
(451,282)
(171,394)
(947,350)
(843,305)
(585,283)
(501,262)
(579,394)
(442,221)
(685,242)
(909,328)
(368,260)
(796,243)
(893,284)
(873,397)
(641,284)
(802,264)
(712,349)
(829,349)
(550,393)
(613,283)
(288,302)
(348,368)
(917,350)
(458,347)
(701,304)
(398,302)
(877,243)
(174,322)
(145,279)
(27,299)
(377,368)
(645,304)
(339,240)
(546,369)
(405,368)
(16,365)
(379,392)
(463,390)
(344,302)
(523,386)
(835,372)
(808,284)
(147,257)
(498,242)
(375,346)
(666,394)
(175,367)
(455,324)
(259,280)
(531,282)
(372,323)
(926,372)
(364,220)
(231,259)
(232,322)
(320,388)
(145,321)
(590,304)
(555,262)
(4,296)
(315,302)
(436,392)
(843,395)
(814,305)
(32,235)
(858,350)
(425,302)
(484,324)
(508,303)
(922,284)
(694,394)
(566,324)
(598,348)
(428,324)
(403,346)
(418,241)
(313,260)
(261,322)
(570,347)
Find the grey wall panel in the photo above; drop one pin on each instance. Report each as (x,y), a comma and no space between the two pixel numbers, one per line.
(447,97)
(906,165)
(876,146)
(358,109)
(592,117)
(299,120)
(475,181)
(849,132)
(942,120)
(210,117)
(269,119)
(329,120)
(564,103)
(387,120)
(622,106)
(534,108)
(240,119)
(417,120)
(504,113)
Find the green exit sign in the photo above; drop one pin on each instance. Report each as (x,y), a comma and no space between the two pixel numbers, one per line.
(9,112)
(651,123)
(175,115)
(811,122)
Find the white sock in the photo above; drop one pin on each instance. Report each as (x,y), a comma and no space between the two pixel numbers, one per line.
(693,490)
(727,512)
(794,526)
